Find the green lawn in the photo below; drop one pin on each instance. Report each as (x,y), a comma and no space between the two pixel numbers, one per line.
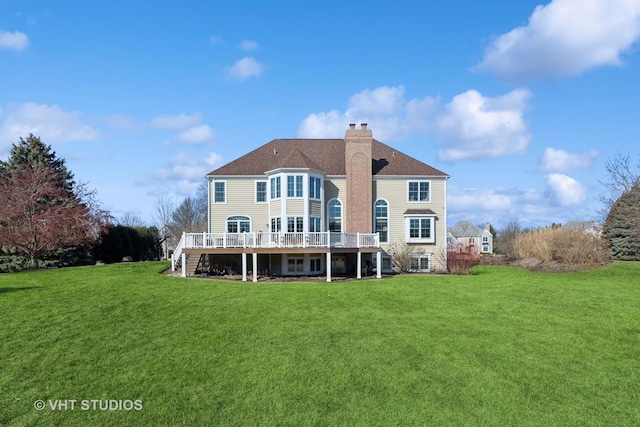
(501,347)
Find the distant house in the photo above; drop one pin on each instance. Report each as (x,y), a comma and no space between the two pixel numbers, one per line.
(466,236)
(320,207)
(589,227)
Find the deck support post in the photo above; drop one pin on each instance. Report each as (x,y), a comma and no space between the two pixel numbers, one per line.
(254,257)
(328,266)
(359,265)
(379,265)
(184,264)
(244,266)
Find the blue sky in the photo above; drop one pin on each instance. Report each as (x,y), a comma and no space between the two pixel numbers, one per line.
(521,103)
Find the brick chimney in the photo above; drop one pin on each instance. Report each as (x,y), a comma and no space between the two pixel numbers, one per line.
(359,207)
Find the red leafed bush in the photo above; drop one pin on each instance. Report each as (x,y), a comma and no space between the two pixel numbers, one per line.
(462,261)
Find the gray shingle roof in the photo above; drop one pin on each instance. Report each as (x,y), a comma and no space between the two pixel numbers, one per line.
(465,229)
(326,155)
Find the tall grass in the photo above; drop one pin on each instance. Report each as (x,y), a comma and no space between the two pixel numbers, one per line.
(568,247)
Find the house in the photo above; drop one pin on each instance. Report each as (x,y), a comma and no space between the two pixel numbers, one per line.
(320,207)
(589,227)
(466,236)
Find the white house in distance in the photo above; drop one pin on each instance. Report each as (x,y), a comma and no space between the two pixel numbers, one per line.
(320,207)
(466,236)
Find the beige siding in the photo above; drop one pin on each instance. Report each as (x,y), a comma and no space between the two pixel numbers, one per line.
(315,208)
(295,207)
(276,207)
(395,192)
(240,201)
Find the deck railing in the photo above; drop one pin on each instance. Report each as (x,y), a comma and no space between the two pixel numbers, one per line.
(282,240)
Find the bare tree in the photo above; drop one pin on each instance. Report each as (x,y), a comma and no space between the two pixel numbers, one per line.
(188,217)
(164,208)
(505,241)
(622,178)
(131,220)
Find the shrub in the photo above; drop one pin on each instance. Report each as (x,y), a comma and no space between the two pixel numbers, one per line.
(462,261)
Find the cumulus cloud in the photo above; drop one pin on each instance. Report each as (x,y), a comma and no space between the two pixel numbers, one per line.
(565,190)
(249,45)
(49,122)
(473,199)
(14,41)
(475,126)
(195,135)
(245,68)
(565,38)
(184,172)
(561,161)
(192,131)
(386,109)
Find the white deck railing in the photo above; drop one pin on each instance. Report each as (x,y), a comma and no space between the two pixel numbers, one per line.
(282,240)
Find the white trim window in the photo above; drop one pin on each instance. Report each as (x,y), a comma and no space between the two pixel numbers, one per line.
(334,215)
(381,219)
(315,264)
(315,224)
(219,191)
(315,184)
(419,191)
(238,224)
(295,224)
(420,229)
(261,191)
(420,263)
(295,265)
(274,187)
(294,185)
(276,224)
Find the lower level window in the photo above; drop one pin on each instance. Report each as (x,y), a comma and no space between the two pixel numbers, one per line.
(420,263)
(295,265)
(315,265)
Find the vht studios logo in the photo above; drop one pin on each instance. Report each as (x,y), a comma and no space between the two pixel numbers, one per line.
(88,405)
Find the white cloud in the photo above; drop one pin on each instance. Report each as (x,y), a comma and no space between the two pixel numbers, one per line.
(49,122)
(245,68)
(385,108)
(195,135)
(15,40)
(192,131)
(249,45)
(465,199)
(561,161)
(184,172)
(565,38)
(566,190)
(475,126)
(178,122)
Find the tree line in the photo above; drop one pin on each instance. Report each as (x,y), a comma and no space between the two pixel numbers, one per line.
(48,218)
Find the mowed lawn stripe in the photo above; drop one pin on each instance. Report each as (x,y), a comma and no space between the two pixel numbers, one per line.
(503,346)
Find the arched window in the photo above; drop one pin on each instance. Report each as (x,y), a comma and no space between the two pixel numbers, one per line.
(381,219)
(334,208)
(238,224)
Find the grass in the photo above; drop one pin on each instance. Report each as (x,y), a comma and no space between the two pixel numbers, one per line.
(501,347)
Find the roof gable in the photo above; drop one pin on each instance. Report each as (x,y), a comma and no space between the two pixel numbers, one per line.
(465,229)
(324,155)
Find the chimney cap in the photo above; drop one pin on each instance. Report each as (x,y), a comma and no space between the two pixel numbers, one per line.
(352,125)
(363,125)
